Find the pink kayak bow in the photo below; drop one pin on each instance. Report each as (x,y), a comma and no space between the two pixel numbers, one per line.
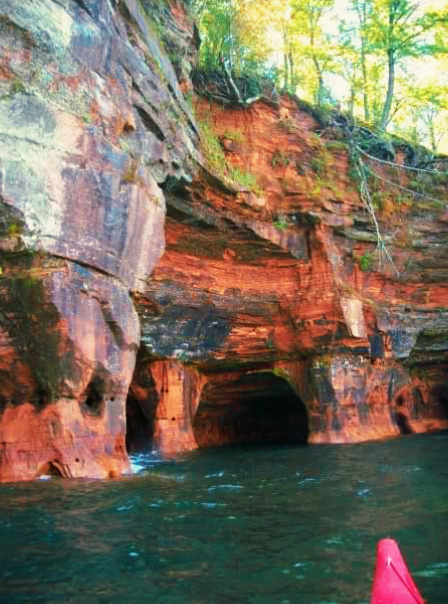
(393,583)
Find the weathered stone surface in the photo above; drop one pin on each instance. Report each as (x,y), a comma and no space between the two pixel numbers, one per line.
(93,122)
(67,354)
(264,316)
(162,403)
(269,283)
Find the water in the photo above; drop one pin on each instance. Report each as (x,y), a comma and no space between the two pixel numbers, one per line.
(237,525)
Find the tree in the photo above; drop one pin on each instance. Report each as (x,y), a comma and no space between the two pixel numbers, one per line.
(355,50)
(401,29)
(216,20)
(363,10)
(310,39)
(426,121)
(236,32)
(379,45)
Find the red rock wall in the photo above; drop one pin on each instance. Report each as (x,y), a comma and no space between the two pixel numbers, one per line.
(179,389)
(270,281)
(92,122)
(253,318)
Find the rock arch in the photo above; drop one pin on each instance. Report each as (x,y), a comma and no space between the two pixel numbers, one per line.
(251,408)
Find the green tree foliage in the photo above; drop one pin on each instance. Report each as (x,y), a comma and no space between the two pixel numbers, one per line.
(311,42)
(355,53)
(401,29)
(216,19)
(374,46)
(427,120)
(363,10)
(235,32)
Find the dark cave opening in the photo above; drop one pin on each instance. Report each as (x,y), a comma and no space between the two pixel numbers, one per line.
(402,423)
(51,468)
(256,408)
(139,424)
(93,403)
(439,395)
(400,418)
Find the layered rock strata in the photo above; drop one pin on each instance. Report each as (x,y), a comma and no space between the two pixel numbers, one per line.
(276,297)
(246,286)
(92,122)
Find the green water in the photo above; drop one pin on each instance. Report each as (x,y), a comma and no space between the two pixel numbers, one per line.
(237,525)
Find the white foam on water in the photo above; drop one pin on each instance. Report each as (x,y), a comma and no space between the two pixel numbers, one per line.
(438,569)
(227,487)
(215,475)
(140,462)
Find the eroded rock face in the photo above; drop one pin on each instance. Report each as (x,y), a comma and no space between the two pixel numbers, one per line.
(283,281)
(92,119)
(69,340)
(262,313)
(93,122)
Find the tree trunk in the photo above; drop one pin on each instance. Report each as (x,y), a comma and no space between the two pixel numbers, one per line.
(320,77)
(351,103)
(390,89)
(292,73)
(364,82)
(320,80)
(230,34)
(432,137)
(286,68)
(362,16)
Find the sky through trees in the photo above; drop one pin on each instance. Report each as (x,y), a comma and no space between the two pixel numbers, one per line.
(384,61)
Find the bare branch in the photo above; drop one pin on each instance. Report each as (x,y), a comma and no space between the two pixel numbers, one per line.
(403,188)
(394,164)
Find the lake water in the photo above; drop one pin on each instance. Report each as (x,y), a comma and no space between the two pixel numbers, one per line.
(233,525)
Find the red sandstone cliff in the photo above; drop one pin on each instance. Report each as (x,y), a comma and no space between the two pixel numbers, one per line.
(258,311)
(92,121)
(263,294)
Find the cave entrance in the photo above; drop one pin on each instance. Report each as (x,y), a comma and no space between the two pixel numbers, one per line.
(400,418)
(255,408)
(139,425)
(439,394)
(141,406)
(51,468)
